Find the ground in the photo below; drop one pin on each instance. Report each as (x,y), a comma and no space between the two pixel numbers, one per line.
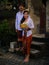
(9,58)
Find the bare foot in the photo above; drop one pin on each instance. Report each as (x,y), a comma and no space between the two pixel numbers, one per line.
(22,49)
(17,49)
(26,60)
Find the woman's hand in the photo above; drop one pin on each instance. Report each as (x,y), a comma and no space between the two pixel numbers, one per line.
(27,28)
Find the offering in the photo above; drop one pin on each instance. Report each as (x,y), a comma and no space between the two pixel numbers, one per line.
(23,25)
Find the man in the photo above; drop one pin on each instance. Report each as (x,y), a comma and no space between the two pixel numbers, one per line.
(19,16)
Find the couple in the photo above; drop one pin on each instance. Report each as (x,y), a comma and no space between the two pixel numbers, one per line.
(24,26)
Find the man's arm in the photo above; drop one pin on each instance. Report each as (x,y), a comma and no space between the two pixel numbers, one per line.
(16,23)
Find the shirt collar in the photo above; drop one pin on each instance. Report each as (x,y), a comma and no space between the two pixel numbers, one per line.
(21,12)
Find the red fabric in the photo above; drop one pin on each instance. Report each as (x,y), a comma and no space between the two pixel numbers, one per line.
(27,43)
(19,34)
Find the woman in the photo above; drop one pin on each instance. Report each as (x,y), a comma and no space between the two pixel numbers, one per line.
(27,26)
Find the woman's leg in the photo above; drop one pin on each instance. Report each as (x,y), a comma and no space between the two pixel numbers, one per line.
(28,45)
(24,45)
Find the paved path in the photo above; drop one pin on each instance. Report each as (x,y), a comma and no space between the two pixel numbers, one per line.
(14,59)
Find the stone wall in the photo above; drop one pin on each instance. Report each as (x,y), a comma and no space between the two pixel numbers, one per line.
(34,6)
(47,16)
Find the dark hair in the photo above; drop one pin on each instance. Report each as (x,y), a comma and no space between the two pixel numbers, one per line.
(21,5)
(23,19)
(26,11)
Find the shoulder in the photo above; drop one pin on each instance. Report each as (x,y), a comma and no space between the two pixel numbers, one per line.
(17,13)
(30,19)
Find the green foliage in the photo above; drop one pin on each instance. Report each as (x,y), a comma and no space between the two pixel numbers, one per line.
(4,26)
(4,1)
(7,32)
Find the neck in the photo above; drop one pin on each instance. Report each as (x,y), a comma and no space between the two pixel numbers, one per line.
(21,11)
(26,18)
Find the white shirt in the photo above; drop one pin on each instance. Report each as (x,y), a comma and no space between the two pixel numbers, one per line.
(30,24)
(19,16)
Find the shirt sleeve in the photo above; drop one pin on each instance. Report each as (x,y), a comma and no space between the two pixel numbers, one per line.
(31,24)
(16,22)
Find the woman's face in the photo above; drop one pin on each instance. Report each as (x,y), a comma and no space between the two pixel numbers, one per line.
(26,15)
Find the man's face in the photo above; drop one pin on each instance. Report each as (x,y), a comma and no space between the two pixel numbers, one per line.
(21,8)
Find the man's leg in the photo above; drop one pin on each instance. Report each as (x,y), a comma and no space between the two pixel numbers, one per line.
(19,41)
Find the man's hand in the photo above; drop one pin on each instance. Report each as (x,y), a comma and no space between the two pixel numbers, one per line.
(16,30)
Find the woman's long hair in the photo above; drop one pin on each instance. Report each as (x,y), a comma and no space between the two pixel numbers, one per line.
(23,19)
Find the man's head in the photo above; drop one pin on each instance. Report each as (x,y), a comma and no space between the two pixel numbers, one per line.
(21,7)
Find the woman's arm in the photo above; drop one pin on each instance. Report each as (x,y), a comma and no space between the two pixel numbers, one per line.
(30,25)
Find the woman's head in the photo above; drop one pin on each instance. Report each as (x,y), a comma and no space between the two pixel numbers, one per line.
(26,14)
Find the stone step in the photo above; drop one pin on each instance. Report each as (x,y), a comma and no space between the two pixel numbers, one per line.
(39,35)
(34,51)
(37,43)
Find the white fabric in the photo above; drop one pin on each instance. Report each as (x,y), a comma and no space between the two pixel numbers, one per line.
(30,24)
(19,16)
